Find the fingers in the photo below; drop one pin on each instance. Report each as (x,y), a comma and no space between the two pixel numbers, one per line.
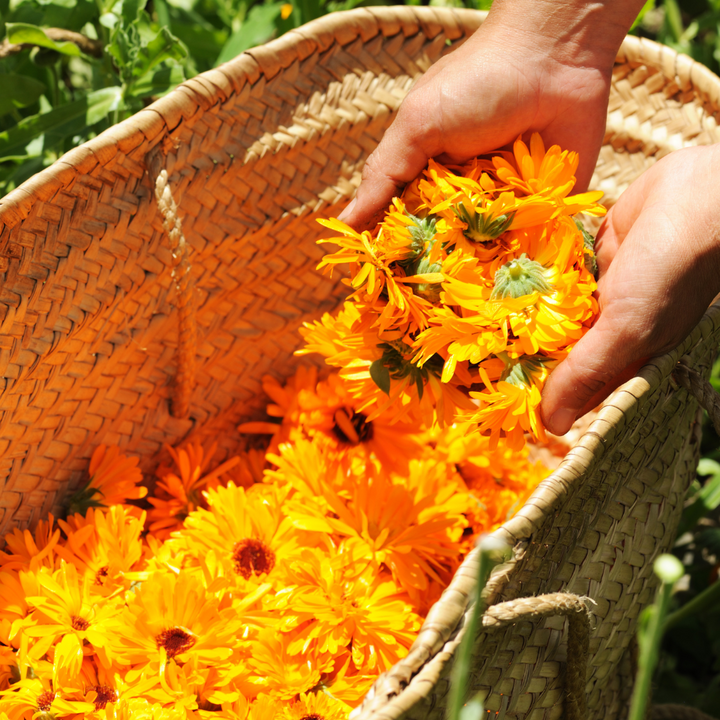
(412,139)
(394,163)
(601,361)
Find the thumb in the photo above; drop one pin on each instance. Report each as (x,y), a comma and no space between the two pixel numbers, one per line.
(400,157)
(601,361)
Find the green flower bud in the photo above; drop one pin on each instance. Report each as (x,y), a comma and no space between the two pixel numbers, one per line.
(520,277)
(668,568)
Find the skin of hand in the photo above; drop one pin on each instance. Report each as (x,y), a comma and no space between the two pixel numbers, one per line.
(658,253)
(533,66)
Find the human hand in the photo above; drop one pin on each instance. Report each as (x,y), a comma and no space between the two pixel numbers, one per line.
(658,254)
(534,66)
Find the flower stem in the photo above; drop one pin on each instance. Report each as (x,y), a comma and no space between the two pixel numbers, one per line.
(491,552)
(708,597)
(650,632)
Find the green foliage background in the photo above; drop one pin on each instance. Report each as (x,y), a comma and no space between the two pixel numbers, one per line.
(54,96)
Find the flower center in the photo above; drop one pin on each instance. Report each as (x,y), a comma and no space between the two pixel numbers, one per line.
(79,623)
(104,694)
(351,427)
(176,640)
(520,277)
(252,557)
(312,716)
(45,701)
(101,574)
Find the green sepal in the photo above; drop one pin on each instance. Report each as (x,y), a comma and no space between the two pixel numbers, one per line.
(380,375)
(589,248)
(483,227)
(83,499)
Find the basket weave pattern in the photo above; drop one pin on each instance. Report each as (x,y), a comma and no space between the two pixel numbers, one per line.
(251,154)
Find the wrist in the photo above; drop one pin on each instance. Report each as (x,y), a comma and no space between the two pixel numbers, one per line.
(573,33)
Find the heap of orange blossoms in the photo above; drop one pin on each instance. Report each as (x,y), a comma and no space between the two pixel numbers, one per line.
(474,286)
(274,586)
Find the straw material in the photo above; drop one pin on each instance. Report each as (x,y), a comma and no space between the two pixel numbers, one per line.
(152,276)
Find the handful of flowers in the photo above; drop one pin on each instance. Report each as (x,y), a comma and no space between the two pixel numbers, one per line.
(474,286)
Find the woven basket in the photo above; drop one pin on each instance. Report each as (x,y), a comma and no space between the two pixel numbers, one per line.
(152,276)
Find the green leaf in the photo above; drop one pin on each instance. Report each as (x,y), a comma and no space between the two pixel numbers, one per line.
(158,82)
(130,11)
(649,5)
(18,91)
(705,500)
(258,28)
(60,122)
(24,33)
(673,20)
(380,375)
(164,46)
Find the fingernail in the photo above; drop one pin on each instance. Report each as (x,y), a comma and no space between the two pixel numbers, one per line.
(348,210)
(561,421)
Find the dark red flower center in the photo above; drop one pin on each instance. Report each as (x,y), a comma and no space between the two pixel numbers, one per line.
(252,557)
(313,716)
(101,574)
(79,623)
(351,427)
(176,640)
(45,701)
(104,694)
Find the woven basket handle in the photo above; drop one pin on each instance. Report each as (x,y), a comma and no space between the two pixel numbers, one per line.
(692,381)
(184,290)
(575,608)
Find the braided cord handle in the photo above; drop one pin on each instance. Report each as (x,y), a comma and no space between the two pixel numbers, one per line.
(184,295)
(575,608)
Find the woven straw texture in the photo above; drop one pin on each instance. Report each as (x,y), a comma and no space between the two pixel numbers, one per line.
(151,277)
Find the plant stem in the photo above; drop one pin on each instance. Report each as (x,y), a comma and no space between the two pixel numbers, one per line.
(649,638)
(488,558)
(708,597)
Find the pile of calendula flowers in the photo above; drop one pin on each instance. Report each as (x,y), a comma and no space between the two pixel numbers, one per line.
(278,584)
(474,286)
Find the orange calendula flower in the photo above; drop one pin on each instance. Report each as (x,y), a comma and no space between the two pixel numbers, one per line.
(114,479)
(413,534)
(179,490)
(339,601)
(317,706)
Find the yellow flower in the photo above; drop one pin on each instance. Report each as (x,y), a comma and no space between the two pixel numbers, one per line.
(105,545)
(278,671)
(317,706)
(246,530)
(336,601)
(37,698)
(69,616)
(511,407)
(172,616)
